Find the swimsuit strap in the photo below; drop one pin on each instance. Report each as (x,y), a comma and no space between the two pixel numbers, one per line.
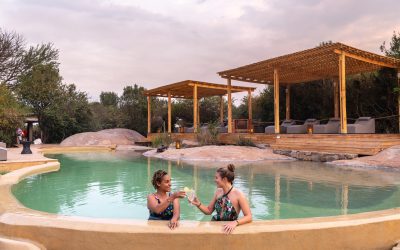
(158,199)
(227,192)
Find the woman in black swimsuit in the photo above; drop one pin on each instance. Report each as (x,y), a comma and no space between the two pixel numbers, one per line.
(162,204)
(227,201)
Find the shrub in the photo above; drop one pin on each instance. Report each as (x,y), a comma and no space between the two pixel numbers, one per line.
(208,136)
(161,139)
(243,141)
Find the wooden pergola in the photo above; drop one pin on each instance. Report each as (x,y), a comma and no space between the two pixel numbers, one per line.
(332,61)
(196,90)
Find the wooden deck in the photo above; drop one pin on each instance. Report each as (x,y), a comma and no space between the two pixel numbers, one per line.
(362,144)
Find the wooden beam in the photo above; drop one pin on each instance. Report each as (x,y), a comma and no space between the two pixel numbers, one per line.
(276,101)
(363,59)
(233,88)
(221,110)
(229,106)
(195,108)
(250,104)
(287,102)
(336,97)
(169,113)
(148,115)
(342,84)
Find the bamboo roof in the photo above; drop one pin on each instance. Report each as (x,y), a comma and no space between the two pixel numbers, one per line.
(312,64)
(184,89)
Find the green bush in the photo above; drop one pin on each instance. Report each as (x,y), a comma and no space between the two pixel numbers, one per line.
(161,139)
(11,116)
(208,136)
(242,141)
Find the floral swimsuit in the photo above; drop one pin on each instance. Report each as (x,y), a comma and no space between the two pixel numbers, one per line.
(224,208)
(164,215)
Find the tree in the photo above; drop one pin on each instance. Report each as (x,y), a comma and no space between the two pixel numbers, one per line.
(394,49)
(69,115)
(133,105)
(40,88)
(16,60)
(109,99)
(11,115)
(105,117)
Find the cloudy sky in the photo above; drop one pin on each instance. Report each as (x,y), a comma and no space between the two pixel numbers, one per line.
(108,44)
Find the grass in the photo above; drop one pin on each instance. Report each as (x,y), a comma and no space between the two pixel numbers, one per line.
(2,172)
(161,139)
(242,141)
(208,136)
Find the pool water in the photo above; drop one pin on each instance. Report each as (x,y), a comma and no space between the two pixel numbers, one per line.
(115,185)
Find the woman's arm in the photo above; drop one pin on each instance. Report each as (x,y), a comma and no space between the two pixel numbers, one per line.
(247,218)
(175,218)
(244,205)
(156,207)
(203,208)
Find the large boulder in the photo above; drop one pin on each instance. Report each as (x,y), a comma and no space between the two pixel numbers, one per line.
(118,136)
(388,158)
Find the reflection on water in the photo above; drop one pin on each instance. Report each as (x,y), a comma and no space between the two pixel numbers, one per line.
(115,185)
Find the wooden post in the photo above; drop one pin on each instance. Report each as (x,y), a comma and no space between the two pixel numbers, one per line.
(198,113)
(169,112)
(221,110)
(398,94)
(148,114)
(336,98)
(342,83)
(287,102)
(195,108)
(229,106)
(276,101)
(250,104)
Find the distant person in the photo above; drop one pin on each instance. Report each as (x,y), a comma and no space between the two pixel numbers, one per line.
(162,204)
(20,134)
(228,201)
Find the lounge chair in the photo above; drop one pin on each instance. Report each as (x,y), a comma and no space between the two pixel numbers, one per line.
(189,129)
(222,129)
(283,127)
(301,129)
(3,151)
(363,125)
(332,127)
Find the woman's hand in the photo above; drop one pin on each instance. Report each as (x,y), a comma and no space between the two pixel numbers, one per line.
(178,194)
(195,202)
(173,223)
(228,228)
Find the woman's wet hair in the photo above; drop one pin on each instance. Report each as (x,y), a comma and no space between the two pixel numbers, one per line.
(157,177)
(228,172)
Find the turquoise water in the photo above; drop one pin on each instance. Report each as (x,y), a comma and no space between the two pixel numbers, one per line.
(115,185)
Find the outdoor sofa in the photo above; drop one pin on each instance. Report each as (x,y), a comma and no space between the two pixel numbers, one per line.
(332,127)
(301,129)
(284,125)
(363,125)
